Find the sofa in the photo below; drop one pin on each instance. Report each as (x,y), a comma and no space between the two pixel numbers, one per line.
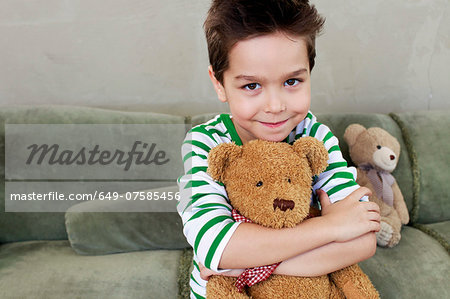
(94,250)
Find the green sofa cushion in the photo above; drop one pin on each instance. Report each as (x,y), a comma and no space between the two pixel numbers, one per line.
(50,226)
(94,231)
(429,133)
(58,272)
(418,267)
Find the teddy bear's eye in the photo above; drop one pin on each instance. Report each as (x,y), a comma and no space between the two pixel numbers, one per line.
(289,180)
(259,184)
(378,146)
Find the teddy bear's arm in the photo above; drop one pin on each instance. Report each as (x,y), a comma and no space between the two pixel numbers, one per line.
(399,204)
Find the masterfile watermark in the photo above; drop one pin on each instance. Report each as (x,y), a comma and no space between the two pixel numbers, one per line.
(89,197)
(52,154)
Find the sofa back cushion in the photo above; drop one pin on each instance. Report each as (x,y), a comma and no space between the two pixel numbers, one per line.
(23,226)
(428,132)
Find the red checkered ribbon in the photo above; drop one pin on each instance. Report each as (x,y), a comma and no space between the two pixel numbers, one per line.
(252,276)
(238,217)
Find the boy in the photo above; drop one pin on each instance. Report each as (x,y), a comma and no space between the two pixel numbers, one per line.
(261,55)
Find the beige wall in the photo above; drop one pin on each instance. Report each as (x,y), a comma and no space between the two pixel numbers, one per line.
(374,56)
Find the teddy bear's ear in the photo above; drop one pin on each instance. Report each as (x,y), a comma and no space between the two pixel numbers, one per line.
(220,157)
(315,152)
(352,132)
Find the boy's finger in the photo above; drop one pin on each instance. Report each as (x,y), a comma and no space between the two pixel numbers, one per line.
(373,216)
(360,192)
(323,197)
(375,226)
(371,206)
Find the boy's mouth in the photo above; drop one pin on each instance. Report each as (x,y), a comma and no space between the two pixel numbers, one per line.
(273,125)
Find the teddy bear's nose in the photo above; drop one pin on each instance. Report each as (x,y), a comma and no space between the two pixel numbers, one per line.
(392,157)
(283,204)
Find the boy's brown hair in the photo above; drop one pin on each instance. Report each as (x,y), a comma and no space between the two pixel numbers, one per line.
(230,21)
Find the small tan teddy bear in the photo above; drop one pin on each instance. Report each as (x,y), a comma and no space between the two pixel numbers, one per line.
(376,154)
(269,183)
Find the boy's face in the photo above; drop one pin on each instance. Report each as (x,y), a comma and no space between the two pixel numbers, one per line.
(267,86)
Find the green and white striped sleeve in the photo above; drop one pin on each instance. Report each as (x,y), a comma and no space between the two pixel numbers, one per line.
(338,180)
(204,208)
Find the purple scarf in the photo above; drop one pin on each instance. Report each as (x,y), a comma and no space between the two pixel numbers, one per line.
(382,182)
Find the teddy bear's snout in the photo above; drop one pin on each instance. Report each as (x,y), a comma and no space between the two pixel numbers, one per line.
(283,204)
(385,158)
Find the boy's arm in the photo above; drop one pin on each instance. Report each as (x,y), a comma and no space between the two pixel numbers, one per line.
(203,206)
(329,258)
(320,261)
(252,245)
(338,180)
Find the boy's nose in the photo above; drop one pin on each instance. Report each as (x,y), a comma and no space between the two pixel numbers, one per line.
(274,104)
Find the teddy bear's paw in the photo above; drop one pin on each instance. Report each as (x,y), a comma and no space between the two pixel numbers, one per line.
(396,236)
(385,234)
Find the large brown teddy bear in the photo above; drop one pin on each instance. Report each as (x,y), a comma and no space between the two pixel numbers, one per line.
(270,184)
(376,154)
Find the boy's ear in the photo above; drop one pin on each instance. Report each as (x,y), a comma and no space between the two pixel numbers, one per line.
(218,87)
(220,157)
(315,153)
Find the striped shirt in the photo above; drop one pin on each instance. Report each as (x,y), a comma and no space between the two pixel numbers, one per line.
(204,206)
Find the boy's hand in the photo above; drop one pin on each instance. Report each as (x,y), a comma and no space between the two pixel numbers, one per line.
(205,273)
(350,218)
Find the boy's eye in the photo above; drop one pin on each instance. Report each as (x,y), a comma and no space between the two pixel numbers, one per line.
(291,82)
(252,86)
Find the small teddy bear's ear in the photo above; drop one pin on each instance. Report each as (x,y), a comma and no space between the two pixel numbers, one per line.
(352,132)
(220,157)
(315,152)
